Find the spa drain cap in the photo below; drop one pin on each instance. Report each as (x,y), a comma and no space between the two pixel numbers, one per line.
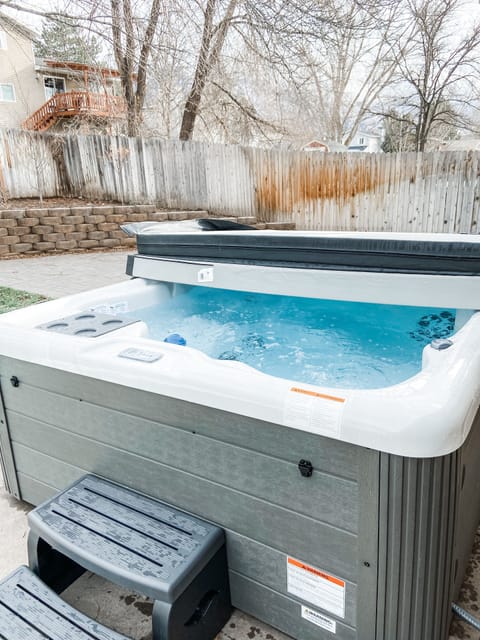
(441,343)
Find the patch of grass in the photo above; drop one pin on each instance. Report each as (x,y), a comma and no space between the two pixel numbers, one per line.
(11,299)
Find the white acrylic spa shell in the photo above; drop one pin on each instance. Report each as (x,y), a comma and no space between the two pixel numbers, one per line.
(427,415)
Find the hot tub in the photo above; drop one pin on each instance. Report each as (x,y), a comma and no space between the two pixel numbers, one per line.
(350,501)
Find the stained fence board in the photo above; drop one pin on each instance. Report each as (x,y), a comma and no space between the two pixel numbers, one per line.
(431,192)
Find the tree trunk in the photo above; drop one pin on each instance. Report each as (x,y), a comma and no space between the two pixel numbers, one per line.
(190,111)
(210,50)
(123,37)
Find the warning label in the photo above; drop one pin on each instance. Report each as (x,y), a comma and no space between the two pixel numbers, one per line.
(319,619)
(312,411)
(316,587)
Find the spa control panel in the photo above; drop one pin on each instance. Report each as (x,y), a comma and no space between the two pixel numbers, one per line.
(142,355)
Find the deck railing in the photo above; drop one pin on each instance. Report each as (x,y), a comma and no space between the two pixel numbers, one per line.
(75,103)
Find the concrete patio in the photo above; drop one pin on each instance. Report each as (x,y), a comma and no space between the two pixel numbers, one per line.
(56,276)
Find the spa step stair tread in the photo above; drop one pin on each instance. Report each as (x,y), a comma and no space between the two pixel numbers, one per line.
(29,610)
(127,537)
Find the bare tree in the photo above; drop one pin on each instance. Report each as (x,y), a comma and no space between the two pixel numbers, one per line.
(125,44)
(213,39)
(439,69)
(346,71)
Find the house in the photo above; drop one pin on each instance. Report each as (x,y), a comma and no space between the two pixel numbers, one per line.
(39,94)
(467,143)
(325,146)
(366,142)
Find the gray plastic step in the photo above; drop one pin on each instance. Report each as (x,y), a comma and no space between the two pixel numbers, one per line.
(31,611)
(137,542)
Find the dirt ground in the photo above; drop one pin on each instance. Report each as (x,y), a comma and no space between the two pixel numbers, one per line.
(34,203)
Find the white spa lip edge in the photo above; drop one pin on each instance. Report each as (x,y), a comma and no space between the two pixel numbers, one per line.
(428,415)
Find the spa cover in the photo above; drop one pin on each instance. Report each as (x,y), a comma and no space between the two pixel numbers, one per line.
(207,240)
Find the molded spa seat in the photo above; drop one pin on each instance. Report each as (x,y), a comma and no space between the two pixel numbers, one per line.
(30,610)
(140,543)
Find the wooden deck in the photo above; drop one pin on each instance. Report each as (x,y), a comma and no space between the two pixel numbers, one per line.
(75,103)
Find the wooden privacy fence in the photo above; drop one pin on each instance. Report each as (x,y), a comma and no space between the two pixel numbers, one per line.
(437,192)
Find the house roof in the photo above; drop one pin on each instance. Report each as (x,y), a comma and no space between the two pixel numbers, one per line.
(67,68)
(10,24)
(324,145)
(464,144)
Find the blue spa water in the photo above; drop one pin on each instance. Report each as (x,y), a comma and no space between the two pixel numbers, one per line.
(324,342)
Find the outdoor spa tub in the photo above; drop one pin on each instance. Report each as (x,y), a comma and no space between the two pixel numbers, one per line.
(315,394)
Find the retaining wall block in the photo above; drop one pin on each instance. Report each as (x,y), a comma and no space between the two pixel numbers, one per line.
(88,244)
(9,222)
(107,226)
(59,212)
(21,247)
(64,228)
(104,210)
(42,229)
(9,239)
(53,237)
(96,235)
(158,216)
(137,217)
(36,213)
(20,231)
(121,235)
(94,218)
(31,237)
(144,208)
(66,245)
(118,218)
(76,235)
(73,219)
(51,220)
(178,215)
(85,227)
(110,242)
(80,211)
(43,246)
(12,213)
(28,222)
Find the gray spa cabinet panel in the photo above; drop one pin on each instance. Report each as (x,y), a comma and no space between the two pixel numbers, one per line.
(396,530)
(7,462)
(240,473)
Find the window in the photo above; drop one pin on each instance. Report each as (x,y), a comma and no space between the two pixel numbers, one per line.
(361,141)
(53,85)
(3,39)
(7,93)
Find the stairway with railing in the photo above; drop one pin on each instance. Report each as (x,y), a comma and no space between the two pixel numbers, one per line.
(75,103)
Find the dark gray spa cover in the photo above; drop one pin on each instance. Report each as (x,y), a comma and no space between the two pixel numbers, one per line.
(400,253)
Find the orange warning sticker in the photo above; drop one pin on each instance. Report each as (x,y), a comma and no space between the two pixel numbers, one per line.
(315,394)
(316,572)
(313,411)
(316,587)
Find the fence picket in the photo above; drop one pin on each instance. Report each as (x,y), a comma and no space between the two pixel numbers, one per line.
(433,192)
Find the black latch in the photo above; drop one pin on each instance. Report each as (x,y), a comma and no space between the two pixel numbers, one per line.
(306,468)
(15,381)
